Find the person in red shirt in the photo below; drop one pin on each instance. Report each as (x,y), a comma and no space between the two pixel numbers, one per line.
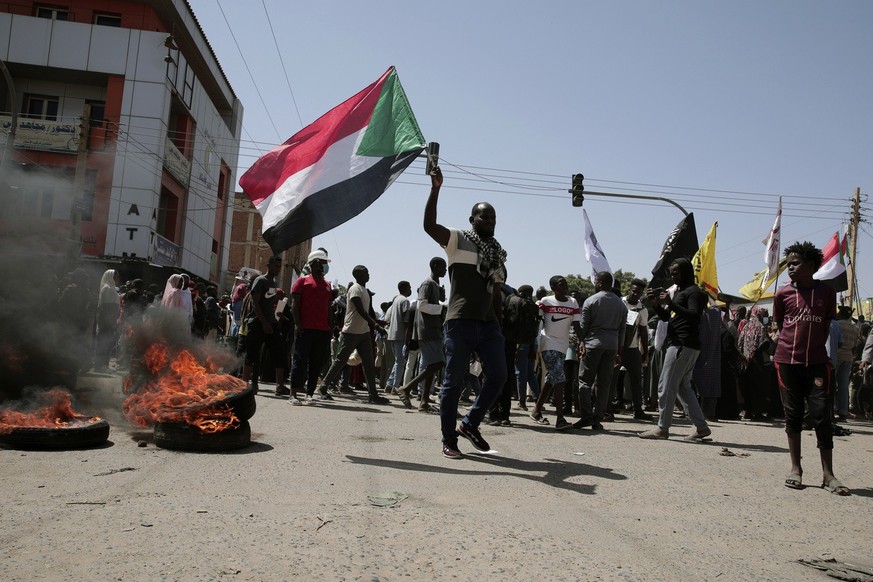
(803,311)
(310,306)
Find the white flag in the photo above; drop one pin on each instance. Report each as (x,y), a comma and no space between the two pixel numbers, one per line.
(593,253)
(772,242)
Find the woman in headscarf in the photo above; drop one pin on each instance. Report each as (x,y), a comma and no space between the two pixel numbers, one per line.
(753,345)
(108,309)
(173,293)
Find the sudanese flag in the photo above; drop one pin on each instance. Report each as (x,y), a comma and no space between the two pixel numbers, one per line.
(332,170)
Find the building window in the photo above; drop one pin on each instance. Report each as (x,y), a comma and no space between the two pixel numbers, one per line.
(107,20)
(167,213)
(98,113)
(181,75)
(52,12)
(41,107)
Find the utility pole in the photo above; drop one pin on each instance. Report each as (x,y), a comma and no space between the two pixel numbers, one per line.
(75,247)
(853,249)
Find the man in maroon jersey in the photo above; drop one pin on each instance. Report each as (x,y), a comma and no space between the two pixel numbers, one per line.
(803,311)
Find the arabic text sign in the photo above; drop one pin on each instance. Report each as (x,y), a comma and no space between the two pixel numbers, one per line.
(42,134)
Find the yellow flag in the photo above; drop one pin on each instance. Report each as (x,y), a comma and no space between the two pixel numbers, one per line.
(704,263)
(754,289)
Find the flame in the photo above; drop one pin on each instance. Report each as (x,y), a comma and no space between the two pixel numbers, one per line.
(55,411)
(181,389)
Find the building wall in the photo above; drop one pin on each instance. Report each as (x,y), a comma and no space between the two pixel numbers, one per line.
(249,250)
(128,68)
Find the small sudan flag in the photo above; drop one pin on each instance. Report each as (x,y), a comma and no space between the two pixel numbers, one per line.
(833,265)
(332,170)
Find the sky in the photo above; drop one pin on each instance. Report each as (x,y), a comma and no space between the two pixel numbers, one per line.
(720,106)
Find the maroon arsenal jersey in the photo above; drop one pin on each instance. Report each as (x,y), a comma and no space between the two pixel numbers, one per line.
(804,314)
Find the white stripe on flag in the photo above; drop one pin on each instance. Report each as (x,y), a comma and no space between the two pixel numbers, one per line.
(771,253)
(593,253)
(339,163)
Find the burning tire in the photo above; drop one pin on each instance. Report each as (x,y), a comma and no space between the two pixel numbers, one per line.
(184,437)
(76,436)
(242,404)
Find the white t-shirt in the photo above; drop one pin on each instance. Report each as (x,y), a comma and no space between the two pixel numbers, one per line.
(636,315)
(395,318)
(558,317)
(355,322)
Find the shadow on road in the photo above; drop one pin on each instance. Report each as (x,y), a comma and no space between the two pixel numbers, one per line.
(556,472)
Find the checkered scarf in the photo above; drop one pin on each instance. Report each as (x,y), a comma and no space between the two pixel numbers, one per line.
(492,258)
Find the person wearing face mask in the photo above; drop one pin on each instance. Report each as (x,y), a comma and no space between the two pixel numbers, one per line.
(310,308)
(754,344)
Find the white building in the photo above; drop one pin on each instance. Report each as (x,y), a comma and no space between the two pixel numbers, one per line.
(164,133)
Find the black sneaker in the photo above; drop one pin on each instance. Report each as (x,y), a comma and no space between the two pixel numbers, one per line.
(562,424)
(597,426)
(280,391)
(450,450)
(642,416)
(583,422)
(376,399)
(474,436)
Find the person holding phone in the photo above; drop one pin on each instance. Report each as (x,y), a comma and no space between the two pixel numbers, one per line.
(476,267)
(682,311)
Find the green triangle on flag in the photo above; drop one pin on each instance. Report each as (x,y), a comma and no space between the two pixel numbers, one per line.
(392,128)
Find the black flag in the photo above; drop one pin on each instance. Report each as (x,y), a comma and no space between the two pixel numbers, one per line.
(682,242)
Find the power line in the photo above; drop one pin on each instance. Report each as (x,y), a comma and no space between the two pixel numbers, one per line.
(281,60)
(245,62)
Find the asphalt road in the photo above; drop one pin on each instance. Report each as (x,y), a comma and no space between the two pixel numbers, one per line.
(311,499)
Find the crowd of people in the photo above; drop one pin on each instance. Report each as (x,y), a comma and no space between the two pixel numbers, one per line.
(646,352)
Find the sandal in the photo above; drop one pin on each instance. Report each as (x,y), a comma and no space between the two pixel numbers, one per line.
(834,486)
(794,481)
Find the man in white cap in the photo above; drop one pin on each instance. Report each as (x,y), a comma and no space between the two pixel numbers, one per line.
(310,306)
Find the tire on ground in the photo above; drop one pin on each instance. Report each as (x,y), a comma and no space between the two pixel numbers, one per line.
(184,437)
(57,438)
(243,404)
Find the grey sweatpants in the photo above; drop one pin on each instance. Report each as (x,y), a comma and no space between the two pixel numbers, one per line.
(676,382)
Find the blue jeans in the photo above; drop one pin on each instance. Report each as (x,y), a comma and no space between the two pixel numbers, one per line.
(395,380)
(525,373)
(463,337)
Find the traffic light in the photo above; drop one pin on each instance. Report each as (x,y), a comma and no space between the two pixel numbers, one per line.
(577,190)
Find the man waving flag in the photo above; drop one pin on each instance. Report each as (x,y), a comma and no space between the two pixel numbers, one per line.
(332,170)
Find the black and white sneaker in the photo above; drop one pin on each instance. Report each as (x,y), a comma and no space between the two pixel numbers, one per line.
(474,436)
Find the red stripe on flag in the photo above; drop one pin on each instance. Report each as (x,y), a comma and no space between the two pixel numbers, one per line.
(308,145)
(831,249)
